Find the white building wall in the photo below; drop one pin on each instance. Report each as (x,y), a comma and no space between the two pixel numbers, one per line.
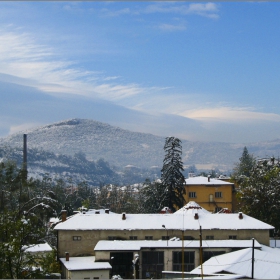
(87,274)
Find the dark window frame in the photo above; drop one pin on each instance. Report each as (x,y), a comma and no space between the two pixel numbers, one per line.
(218,195)
(149,237)
(189,260)
(192,194)
(133,237)
(234,237)
(164,237)
(76,238)
(112,238)
(152,264)
(209,237)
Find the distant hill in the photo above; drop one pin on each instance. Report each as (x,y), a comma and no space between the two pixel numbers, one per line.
(76,169)
(120,147)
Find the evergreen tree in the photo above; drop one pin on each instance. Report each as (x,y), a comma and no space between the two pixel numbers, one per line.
(117,199)
(14,235)
(259,194)
(171,174)
(151,198)
(245,164)
(25,208)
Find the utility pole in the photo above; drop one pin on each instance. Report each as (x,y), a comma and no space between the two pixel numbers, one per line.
(166,234)
(183,256)
(200,251)
(253,257)
(24,164)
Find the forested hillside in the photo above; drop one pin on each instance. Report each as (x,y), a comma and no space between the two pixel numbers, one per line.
(76,168)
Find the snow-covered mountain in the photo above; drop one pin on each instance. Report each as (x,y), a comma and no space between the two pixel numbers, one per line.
(123,148)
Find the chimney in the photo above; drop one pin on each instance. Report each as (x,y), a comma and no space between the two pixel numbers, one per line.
(67,256)
(196,216)
(63,215)
(240,215)
(209,178)
(107,211)
(24,167)
(123,216)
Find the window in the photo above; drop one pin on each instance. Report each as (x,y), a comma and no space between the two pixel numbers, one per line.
(148,238)
(188,261)
(232,237)
(209,254)
(152,264)
(192,194)
(218,194)
(165,237)
(188,237)
(113,238)
(217,209)
(209,237)
(133,237)
(77,238)
(121,264)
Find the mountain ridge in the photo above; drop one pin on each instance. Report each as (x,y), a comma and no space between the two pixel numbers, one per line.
(121,147)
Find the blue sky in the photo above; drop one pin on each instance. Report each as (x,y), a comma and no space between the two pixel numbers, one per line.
(197,70)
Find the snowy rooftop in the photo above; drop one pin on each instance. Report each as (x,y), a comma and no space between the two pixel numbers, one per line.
(45,247)
(268,249)
(54,220)
(267,265)
(84,263)
(127,245)
(101,211)
(188,275)
(191,208)
(204,181)
(155,222)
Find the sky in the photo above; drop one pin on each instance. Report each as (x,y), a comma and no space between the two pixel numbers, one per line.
(202,71)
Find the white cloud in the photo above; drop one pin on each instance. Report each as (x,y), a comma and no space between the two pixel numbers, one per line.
(22,57)
(172,27)
(116,13)
(202,9)
(22,127)
(227,114)
(111,78)
(209,10)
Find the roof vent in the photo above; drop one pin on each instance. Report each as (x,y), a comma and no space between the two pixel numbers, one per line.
(165,210)
(240,216)
(196,216)
(97,212)
(107,211)
(63,215)
(209,178)
(123,216)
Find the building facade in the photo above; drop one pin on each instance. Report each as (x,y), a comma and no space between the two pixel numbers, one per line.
(79,234)
(147,259)
(211,194)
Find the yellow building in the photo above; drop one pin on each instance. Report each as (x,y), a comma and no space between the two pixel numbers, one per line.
(211,194)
